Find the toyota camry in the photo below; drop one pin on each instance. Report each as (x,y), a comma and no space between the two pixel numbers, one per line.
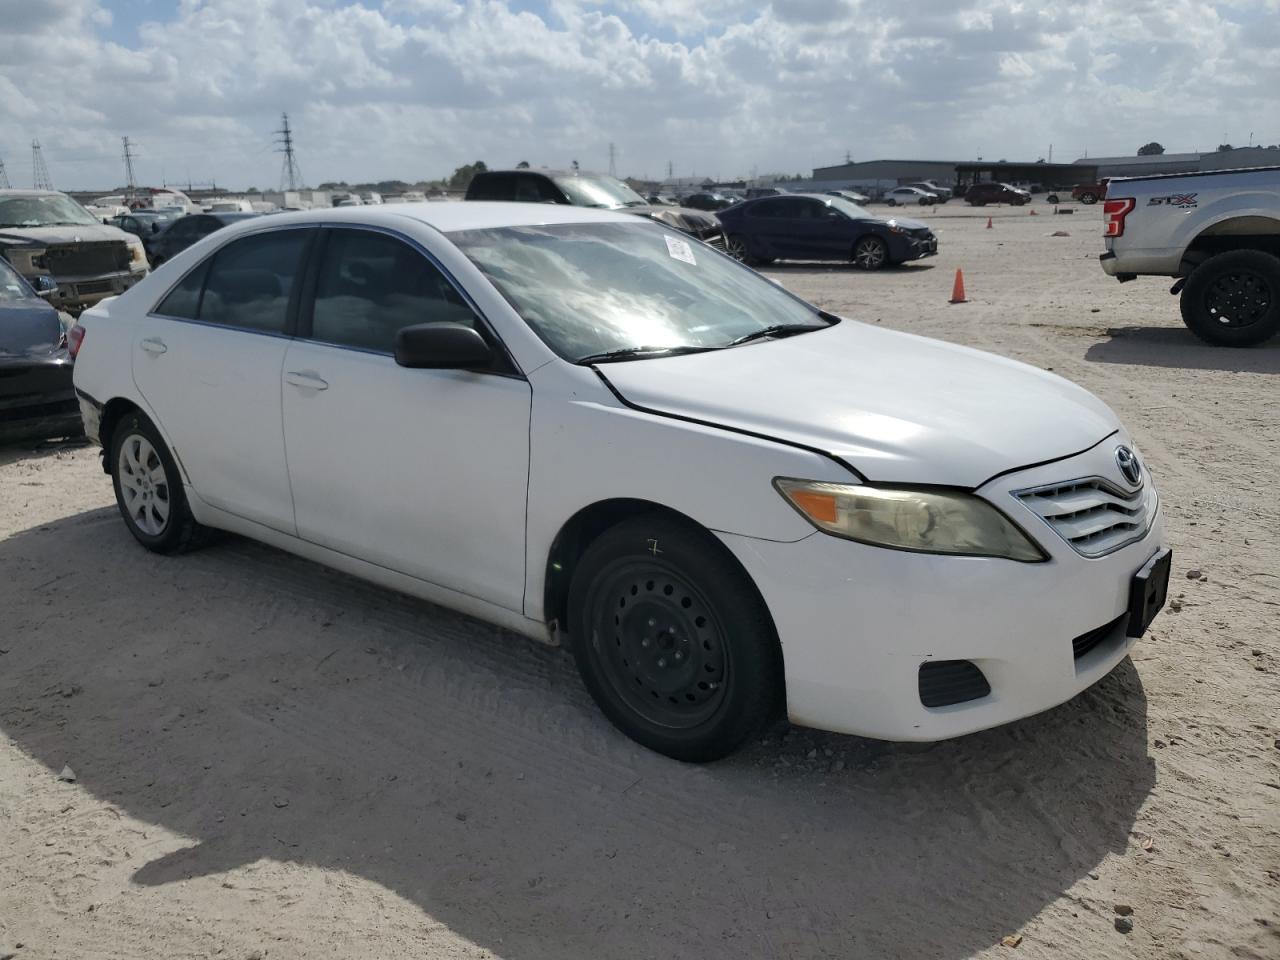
(594,430)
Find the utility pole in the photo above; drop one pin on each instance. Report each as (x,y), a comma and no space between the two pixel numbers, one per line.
(613,160)
(130,182)
(39,171)
(290,175)
(4,177)
(670,170)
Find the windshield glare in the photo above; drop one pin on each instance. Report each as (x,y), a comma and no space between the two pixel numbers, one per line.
(12,288)
(592,288)
(599,192)
(43,211)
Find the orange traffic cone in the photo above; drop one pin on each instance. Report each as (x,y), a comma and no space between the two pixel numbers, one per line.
(957,289)
(988,223)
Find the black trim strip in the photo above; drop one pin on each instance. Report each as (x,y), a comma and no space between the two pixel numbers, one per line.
(1045,463)
(1193,173)
(720,426)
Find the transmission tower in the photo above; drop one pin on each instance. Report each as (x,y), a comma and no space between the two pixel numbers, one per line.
(290,174)
(129,178)
(39,171)
(613,160)
(4,177)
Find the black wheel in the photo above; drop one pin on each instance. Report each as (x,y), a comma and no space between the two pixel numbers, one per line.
(1051,198)
(736,247)
(870,253)
(1088,198)
(672,640)
(892,202)
(149,488)
(1233,299)
(924,201)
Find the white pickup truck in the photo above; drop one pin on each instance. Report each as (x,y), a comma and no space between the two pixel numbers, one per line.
(1218,233)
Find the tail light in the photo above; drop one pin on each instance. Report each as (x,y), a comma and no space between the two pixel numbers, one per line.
(75,337)
(1113,214)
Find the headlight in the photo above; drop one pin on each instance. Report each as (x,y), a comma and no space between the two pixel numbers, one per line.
(924,521)
(139,254)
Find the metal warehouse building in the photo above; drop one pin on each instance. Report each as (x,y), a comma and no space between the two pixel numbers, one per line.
(890,172)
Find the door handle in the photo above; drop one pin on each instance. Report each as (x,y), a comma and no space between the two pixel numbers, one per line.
(307,381)
(153,345)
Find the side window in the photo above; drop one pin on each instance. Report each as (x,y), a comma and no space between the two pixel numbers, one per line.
(810,209)
(184,300)
(250,280)
(769,208)
(492,186)
(370,285)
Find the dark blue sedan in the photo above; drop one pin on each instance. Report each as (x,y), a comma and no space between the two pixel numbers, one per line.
(810,226)
(36,396)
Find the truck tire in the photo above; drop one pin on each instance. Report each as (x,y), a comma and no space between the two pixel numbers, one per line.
(1233,299)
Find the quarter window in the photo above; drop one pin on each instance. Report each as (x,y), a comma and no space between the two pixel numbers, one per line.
(183,300)
(371,285)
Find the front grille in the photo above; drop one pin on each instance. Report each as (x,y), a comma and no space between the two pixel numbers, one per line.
(81,259)
(1093,515)
(944,682)
(1086,642)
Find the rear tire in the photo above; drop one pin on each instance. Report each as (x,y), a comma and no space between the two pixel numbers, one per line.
(149,488)
(1233,299)
(672,639)
(1088,198)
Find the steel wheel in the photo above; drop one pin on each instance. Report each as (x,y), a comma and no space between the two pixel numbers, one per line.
(1240,298)
(660,646)
(144,486)
(870,253)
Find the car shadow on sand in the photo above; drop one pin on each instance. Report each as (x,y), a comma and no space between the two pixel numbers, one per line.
(269,708)
(1178,347)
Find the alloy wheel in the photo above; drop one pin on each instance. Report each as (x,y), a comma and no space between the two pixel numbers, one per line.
(737,249)
(869,253)
(144,485)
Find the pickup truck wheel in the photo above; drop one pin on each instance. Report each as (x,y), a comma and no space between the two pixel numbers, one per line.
(1233,299)
(1088,198)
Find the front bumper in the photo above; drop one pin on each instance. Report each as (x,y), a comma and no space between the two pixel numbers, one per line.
(857,622)
(904,248)
(37,400)
(77,293)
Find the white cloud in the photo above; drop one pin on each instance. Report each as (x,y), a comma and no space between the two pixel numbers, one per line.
(413,88)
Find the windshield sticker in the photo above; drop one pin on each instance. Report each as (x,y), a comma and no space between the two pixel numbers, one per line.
(680,250)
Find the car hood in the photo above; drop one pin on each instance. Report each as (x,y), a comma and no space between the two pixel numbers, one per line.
(698,223)
(897,408)
(28,329)
(82,233)
(906,223)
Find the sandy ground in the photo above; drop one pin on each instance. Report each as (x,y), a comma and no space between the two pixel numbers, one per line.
(274,760)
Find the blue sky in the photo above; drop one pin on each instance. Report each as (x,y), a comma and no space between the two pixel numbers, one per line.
(413,88)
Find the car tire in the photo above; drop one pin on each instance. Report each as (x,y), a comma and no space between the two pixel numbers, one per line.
(923,201)
(672,639)
(736,247)
(1233,299)
(1088,198)
(870,253)
(149,489)
(1051,198)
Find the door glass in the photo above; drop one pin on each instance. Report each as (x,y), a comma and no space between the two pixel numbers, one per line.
(250,281)
(371,285)
(184,300)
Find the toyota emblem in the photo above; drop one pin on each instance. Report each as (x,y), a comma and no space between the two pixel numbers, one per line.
(1129,466)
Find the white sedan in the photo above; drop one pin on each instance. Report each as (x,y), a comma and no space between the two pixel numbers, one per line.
(588,428)
(907,196)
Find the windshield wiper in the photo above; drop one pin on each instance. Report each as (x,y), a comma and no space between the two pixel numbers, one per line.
(637,353)
(777,330)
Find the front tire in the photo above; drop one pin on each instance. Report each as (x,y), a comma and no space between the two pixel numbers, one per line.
(672,639)
(870,253)
(1088,198)
(149,489)
(1233,299)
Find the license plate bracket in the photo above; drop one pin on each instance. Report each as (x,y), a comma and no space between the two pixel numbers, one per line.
(1147,592)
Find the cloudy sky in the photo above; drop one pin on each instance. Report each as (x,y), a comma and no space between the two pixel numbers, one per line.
(413,88)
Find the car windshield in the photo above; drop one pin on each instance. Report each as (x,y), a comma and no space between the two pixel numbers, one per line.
(44,210)
(599,192)
(597,288)
(12,287)
(849,207)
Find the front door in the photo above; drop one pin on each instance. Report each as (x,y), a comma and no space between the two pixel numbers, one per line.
(421,471)
(207,361)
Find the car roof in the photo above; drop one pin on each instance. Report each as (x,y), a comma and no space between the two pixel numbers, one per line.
(230,216)
(15,192)
(448,216)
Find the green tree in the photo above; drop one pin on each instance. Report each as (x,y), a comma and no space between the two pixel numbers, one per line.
(1151,149)
(1224,147)
(463,175)
(522,165)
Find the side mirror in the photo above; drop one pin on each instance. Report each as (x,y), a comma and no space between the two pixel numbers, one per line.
(45,286)
(442,346)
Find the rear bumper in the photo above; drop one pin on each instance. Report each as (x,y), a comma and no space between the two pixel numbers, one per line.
(37,400)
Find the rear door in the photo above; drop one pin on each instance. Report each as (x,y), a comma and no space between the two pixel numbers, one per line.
(421,471)
(207,361)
